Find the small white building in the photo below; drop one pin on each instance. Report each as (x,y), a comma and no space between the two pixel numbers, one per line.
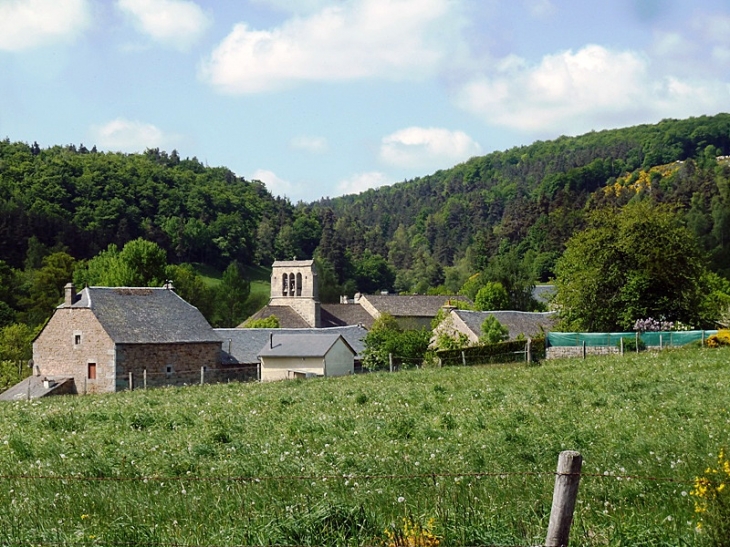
(304,356)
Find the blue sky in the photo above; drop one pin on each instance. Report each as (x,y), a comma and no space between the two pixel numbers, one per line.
(328,97)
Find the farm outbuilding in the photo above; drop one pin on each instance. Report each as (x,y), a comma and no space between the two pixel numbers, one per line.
(302,356)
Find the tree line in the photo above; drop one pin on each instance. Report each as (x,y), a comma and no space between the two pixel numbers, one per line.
(489,228)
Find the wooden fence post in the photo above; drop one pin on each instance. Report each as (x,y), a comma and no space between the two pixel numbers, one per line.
(567,479)
(390,361)
(463,358)
(202,375)
(528,351)
(144,379)
(131,381)
(637,341)
(621,346)
(584,349)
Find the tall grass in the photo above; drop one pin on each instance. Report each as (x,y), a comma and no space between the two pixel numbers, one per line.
(337,461)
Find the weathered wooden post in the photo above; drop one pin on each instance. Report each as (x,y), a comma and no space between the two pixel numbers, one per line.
(390,362)
(202,375)
(567,479)
(144,379)
(621,346)
(131,383)
(528,351)
(661,343)
(584,349)
(463,358)
(637,341)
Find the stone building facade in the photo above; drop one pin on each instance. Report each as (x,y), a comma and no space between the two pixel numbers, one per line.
(294,285)
(103,335)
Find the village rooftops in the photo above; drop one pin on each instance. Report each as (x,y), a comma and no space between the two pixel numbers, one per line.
(409,305)
(300,345)
(243,346)
(518,322)
(149,315)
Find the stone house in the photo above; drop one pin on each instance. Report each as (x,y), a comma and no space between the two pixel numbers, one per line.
(105,337)
(302,356)
(469,323)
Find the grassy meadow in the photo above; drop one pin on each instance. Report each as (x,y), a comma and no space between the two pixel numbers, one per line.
(468,452)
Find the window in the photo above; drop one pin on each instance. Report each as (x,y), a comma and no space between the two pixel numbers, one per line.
(168,370)
(77,339)
(92,371)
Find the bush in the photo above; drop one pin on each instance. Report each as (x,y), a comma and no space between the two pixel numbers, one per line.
(712,503)
(722,338)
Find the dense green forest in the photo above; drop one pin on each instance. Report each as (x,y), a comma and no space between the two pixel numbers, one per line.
(495,224)
(535,197)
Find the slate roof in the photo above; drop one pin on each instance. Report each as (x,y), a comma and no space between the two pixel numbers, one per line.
(288,318)
(134,315)
(293,263)
(416,305)
(518,322)
(338,315)
(245,344)
(300,345)
(543,293)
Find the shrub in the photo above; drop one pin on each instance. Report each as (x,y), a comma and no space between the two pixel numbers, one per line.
(712,502)
(722,338)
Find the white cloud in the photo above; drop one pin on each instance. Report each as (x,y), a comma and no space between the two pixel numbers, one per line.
(397,39)
(26,24)
(176,23)
(298,6)
(314,145)
(540,9)
(361,182)
(129,136)
(420,147)
(592,88)
(277,186)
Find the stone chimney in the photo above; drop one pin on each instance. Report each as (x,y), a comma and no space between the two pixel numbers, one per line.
(69,294)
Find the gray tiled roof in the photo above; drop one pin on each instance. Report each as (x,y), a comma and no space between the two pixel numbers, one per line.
(518,322)
(300,345)
(543,293)
(287,317)
(337,315)
(146,315)
(416,305)
(242,346)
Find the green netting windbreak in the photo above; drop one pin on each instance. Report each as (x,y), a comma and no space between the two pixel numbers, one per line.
(663,338)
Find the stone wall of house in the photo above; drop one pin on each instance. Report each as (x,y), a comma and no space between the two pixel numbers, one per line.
(72,340)
(165,364)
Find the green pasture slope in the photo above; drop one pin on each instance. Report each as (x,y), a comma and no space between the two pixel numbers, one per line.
(336,462)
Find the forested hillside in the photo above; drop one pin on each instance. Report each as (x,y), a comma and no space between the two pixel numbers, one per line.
(82,200)
(534,197)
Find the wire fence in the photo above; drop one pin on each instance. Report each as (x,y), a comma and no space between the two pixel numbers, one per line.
(10,480)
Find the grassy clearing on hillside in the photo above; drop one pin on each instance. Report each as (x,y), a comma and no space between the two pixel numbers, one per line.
(336,461)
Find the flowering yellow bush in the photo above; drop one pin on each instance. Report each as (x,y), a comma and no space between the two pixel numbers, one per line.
(712,503)
(412,534)
(722,338)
